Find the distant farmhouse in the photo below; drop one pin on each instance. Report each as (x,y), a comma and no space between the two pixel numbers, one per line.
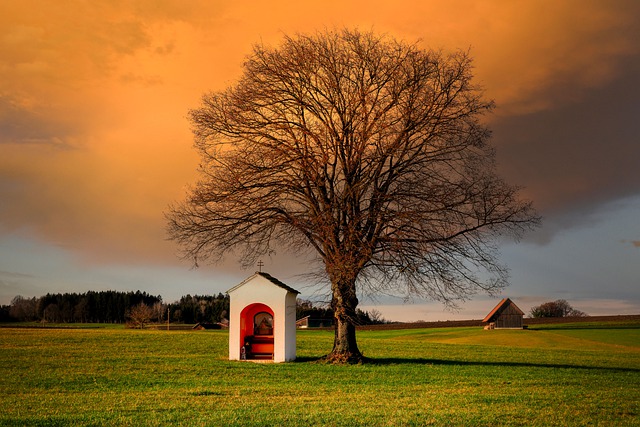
(224,324)
(506,315)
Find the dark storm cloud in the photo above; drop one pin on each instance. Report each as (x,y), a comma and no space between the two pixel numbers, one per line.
(576,157)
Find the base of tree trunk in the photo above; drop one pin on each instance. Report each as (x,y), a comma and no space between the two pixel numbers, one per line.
(345,358)
(345,347)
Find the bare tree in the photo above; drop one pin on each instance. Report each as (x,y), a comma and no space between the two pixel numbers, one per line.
(376,316)
(51,313)
(159,309)
(23,309)
(140,315)
(366,150)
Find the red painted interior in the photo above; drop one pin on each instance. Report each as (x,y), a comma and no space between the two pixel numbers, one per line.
(260,344)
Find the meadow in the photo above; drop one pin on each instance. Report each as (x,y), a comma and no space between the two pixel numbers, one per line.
(564,374)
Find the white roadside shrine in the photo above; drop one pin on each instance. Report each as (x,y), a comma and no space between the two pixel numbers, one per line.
(262,320)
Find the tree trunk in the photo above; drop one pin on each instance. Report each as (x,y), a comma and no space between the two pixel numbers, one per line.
(344,303)
(345,347)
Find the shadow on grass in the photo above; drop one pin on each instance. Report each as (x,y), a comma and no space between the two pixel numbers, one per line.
(385,361)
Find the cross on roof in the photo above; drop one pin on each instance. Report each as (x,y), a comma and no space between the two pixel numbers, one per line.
(260,264)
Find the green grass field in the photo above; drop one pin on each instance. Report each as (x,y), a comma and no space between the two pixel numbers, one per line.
(582,374)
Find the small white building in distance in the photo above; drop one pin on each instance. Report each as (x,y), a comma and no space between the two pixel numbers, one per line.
(262,320)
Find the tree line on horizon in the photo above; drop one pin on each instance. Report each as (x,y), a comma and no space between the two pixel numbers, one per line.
(112,307)
(119,307)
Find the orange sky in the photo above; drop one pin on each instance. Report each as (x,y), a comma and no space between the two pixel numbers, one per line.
(94,96)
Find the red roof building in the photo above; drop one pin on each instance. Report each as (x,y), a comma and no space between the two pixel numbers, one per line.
(505,315)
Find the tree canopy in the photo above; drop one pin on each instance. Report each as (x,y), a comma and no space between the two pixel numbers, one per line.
(367,151)
(557,308)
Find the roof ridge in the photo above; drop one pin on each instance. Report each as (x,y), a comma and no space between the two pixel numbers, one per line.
(276,281)
(267,276)
(499,307)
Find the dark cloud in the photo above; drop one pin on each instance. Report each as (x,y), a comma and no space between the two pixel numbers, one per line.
(20,123)
(578,156)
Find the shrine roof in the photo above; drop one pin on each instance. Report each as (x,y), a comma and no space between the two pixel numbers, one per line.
(267,276)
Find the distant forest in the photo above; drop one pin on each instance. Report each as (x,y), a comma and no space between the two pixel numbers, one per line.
(114,307)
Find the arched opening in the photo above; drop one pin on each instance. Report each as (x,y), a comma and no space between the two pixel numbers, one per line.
(256,332)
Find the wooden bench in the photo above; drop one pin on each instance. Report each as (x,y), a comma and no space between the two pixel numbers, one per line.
(261,347)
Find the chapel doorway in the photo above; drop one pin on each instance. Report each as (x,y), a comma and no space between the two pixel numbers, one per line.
(257,332)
